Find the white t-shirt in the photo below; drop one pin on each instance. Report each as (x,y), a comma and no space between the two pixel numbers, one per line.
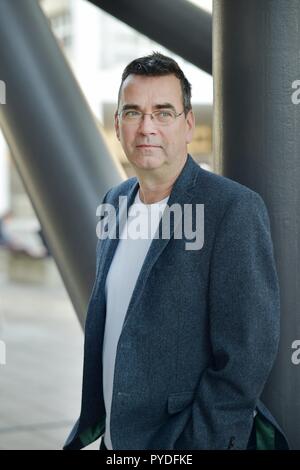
(135,240)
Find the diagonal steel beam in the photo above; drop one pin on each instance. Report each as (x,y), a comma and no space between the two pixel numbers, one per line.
(58,150)
(178,25)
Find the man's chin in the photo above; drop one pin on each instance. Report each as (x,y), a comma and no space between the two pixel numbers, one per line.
(148,162)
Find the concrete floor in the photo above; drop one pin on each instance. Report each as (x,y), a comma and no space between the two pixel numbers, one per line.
(40,384)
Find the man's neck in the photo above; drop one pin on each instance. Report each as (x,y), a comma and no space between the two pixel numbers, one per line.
(152,194)
(155,187)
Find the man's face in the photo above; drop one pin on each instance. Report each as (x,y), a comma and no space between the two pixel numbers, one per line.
(147,145)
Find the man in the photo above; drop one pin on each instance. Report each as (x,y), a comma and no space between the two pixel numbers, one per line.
(178,342)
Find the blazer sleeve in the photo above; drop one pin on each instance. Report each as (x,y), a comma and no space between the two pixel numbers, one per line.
(244,318)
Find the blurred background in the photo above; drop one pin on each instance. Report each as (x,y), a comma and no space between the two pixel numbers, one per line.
(41,340)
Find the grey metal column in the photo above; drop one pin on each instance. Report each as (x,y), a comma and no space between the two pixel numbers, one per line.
(60,155)
(178,25)
(257,142)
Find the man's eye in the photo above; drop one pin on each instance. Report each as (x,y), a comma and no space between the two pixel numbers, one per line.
(165,113)
(131,113)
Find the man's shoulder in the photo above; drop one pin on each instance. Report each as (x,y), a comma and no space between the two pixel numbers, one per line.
(221,183)
(223,189)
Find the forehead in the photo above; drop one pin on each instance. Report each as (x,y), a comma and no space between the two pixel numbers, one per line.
(142,90)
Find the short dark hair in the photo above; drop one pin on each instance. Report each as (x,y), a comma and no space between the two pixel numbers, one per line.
(155,65)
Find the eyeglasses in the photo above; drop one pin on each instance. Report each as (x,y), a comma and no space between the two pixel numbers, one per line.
(162,117)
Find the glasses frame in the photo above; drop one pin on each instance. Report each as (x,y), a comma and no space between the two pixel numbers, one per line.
(138,121)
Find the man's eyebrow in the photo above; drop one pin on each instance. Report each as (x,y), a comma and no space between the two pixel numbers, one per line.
(130,106)
(164,106)
(156,106)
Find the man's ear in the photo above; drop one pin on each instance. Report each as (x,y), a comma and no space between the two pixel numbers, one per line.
(117,125)
(190,126)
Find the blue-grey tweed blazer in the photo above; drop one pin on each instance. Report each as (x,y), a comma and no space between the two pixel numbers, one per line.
(201,331)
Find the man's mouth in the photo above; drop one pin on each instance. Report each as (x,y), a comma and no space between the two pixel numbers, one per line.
(148,146)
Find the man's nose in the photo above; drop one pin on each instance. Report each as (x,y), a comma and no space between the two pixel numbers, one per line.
(147,125)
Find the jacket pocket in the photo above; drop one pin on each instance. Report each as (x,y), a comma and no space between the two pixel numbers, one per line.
(180,400)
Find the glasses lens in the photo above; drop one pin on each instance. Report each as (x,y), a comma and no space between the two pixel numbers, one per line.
(164,116)
(131,115)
